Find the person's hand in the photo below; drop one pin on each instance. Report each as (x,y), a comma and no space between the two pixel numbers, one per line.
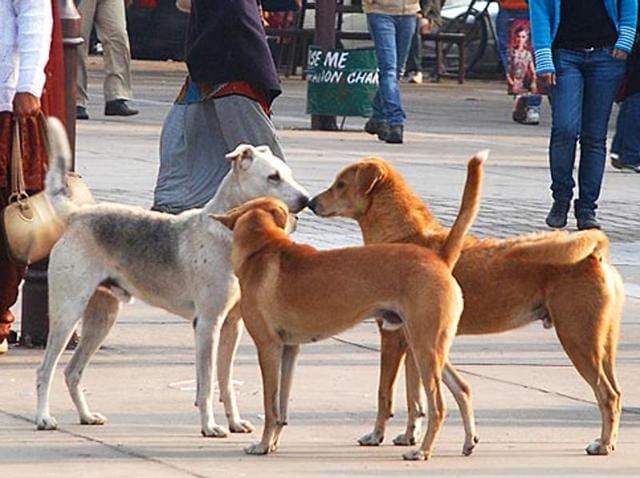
(127,3)
(547,79)
(619,54)
(25,104)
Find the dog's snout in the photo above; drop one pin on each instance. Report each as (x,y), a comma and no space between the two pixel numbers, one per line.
(313,203)
(303,201)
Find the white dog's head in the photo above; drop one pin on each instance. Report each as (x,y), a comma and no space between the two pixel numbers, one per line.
(260,173)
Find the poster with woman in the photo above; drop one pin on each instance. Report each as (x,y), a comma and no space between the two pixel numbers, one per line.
(521,74)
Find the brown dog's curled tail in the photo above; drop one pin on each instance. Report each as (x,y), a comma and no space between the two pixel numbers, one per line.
(452,247)
(563,249)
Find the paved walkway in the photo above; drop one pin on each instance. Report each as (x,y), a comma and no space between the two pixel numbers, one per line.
(534,413)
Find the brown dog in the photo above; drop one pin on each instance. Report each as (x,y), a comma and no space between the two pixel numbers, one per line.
(559,278)
(294,294)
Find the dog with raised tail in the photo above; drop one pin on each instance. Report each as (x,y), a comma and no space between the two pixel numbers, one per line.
(181,264)
(564,280)
(294,294)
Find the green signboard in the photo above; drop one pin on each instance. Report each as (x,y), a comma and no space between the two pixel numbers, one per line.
(341,82)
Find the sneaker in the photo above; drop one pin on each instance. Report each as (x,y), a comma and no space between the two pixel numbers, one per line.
(394,135)
(587,220)
(557,217)
(378,127)
(532,116)
(81,113)
(4,347)
(415,77)
(118,108)
(618,164)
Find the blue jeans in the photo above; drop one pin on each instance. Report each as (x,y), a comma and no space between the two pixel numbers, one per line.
(392,36)
(626,143)
(581,101)
(503,24)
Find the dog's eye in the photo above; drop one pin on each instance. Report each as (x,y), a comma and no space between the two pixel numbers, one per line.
(339,184)
(275,177)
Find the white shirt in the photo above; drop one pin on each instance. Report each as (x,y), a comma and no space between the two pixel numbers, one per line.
(25,39)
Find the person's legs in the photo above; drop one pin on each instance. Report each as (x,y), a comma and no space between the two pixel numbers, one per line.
(111,27)
(630,152)
(602,76)
(10,278)
(566,111)
(414,60)
(503,19)
(382,29)
(87,10)
(618,139)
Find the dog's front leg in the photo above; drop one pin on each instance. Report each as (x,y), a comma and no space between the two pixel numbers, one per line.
(393,347)
(229,339)
(415,404)
(462,393)
(207,335)
(270,358)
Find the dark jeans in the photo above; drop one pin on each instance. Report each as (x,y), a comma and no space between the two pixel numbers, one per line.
(414,60)
(626,143)
(581,101)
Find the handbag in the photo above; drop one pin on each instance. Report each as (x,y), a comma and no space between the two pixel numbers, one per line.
(30,224)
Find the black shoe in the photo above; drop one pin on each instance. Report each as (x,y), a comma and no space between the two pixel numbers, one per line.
(616,163)
(587,220)
(118,108)
(557,217)
(395,134)
(375,126)
(81,113)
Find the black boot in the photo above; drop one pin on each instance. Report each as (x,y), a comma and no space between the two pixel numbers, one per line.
(376,126)
(118,108)
(395,134)
(586,219)
(81,113)
(557,217)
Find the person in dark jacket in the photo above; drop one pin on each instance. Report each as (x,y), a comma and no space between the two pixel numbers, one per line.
(625,151)
(225,101)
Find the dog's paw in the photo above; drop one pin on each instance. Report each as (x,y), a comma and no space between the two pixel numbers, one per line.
(405,439)
(93,419)
(241,426)
(215,431)
(415,455)
(371,439)
(597,448)
(467,448)
(258,449)
(46,422)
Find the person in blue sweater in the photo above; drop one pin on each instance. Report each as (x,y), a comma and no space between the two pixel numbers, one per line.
(580,50)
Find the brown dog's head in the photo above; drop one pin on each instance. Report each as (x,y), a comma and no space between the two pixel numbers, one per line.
(264,210)
(350,194)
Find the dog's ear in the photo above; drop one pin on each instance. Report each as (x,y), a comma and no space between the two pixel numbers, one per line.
(242,156)
(228,220)
(280,217)
(368,175)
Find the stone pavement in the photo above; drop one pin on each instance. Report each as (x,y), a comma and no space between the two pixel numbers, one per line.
(534,413)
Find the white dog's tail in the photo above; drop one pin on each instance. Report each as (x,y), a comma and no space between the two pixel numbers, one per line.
(59,165)
(563,248)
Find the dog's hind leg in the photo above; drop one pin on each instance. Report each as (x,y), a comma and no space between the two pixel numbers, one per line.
(99,317)
(67,303)
(415,404)
(229,339)
(393,348)
(289,358)
(584,331)
(462,393)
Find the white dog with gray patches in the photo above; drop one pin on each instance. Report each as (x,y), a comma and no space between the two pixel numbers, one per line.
(110,252)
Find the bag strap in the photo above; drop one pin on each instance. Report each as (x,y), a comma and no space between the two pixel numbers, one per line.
(18,189)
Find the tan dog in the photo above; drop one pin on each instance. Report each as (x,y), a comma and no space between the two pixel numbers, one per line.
(562,279)
(294,294)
